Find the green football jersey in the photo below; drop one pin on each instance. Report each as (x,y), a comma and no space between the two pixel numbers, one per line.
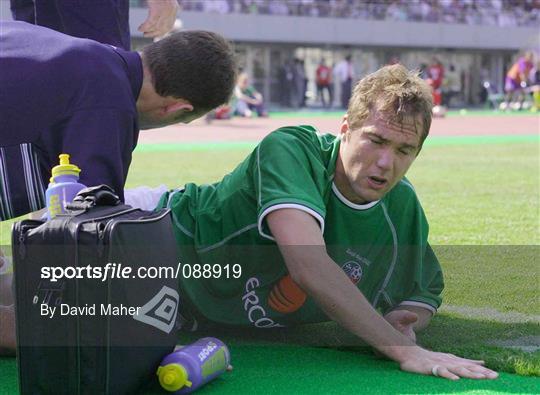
(382,246)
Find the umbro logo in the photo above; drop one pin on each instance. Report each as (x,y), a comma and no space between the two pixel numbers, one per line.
(160,311)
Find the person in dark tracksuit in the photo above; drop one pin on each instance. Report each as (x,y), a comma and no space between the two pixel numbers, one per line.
(60,94)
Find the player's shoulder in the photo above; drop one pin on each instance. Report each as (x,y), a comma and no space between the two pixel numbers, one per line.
(300,135)
(403,193)
(402,203)
(292,132)
(406,186)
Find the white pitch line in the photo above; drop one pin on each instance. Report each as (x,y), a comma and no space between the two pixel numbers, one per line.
(487,313)
(524,343)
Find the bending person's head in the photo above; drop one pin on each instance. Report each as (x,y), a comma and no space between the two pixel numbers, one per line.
(187,74)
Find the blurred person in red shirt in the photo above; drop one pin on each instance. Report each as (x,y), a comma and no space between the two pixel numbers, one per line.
(435,77)
(435,74)
(323,79)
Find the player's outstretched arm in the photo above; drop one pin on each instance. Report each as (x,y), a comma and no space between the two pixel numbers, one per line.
(302,245)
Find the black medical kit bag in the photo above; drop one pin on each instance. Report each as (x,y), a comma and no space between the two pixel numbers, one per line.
(93,313)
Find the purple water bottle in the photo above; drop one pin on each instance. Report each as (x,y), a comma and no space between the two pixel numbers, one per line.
(190,367)
(63,186)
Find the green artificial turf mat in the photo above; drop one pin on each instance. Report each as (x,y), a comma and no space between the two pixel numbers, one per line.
(281,369)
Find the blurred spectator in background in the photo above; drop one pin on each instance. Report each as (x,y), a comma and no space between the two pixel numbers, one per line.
(286,83)
(303,96)
(451,85)
(422,71)
(278,7)
(323,80)
(344,72)
(536,88)
(473,12)
(106,21)
(300,83)
(247,99)
(435,74)
(516,80)
(217,6)
(396,11)
(394,59)
(487,94)
(225,111)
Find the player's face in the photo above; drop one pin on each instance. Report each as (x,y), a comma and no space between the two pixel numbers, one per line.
(374,157)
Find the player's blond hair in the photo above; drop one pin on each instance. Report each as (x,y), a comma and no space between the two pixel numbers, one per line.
(395,92)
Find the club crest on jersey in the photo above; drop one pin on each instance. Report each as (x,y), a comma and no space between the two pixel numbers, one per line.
(353,270)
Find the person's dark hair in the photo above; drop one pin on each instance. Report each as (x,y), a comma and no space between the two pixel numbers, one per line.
(195,65)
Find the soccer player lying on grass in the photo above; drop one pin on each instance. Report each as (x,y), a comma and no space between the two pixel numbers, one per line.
(351,233)
(325,227)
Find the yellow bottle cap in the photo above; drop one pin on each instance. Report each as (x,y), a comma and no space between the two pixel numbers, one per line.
(173,376)
(65,168)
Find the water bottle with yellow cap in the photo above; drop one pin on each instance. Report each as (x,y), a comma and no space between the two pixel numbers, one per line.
(63,186)
(190,367)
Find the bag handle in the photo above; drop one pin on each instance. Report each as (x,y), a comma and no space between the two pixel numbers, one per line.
(100,195)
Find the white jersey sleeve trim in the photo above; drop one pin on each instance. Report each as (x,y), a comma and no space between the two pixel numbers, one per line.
(145,198)
(305,209)
(418,304)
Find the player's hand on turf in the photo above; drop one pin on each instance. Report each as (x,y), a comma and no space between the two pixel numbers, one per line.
(444,365)
(403,321)
(161,17)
